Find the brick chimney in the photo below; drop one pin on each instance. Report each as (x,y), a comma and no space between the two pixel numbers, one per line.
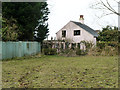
(81,19)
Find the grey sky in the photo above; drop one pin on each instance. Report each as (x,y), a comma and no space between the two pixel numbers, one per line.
(62,11)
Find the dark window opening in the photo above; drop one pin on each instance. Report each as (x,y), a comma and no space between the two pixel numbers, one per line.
(76,32)
(63,33)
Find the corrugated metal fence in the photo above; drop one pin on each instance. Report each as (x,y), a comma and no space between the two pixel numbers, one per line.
(18,49)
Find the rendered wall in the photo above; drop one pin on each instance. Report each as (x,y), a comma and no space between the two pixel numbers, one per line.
(70,27)
(18,49)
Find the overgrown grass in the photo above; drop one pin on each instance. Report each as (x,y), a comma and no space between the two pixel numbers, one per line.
(61,72)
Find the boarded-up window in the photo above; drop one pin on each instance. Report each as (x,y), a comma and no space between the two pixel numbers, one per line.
(76,32)
(64,33)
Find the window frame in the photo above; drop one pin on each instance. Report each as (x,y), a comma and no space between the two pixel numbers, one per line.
(75,34)
(64,34)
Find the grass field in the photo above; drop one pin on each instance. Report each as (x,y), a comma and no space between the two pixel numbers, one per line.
(61,72)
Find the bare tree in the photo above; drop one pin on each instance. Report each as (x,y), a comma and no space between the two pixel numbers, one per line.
(107,7)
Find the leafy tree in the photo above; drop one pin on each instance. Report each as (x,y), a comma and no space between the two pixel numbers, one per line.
(42,33)
(10,30)
(0,20)
(0,25)
(28,16)
(108,34)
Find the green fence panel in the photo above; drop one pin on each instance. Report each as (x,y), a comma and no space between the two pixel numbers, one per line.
(0,50)
(18,49)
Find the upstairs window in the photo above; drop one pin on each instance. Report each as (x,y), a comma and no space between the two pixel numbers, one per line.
(76,32)
(64,33)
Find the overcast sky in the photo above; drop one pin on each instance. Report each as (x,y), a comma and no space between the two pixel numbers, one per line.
(62,11)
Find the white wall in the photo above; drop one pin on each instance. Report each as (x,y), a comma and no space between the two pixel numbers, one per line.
(70,27)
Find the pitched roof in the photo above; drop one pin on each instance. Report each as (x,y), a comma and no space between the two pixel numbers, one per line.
(87,28)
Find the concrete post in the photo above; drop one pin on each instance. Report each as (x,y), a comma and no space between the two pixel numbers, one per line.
(70,45)
(76,45)
(63,45)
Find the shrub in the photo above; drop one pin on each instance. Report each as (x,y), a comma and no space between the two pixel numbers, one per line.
(95,51)
(46,51)
(67,52)
(81,52)
(106,51)
(50,51)
(73,46)
(67,45)
(103,44)
(78,52)
(78,45)
(109,50)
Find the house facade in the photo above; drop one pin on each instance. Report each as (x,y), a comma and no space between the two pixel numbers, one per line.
(75,32)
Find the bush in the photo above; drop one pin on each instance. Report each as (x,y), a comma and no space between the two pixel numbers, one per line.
(80,52)
(50,51)
(46,51)
(87,44)
(67,52)
(103,44)
(106,51)
(109,50)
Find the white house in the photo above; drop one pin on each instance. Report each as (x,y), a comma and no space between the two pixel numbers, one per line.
(74,32)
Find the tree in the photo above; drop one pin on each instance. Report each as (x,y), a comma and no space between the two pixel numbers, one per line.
(108,34)
(0,20)
(28,16)
(0,26)
(106,6)
(10,30)
(41,31)
(108,9)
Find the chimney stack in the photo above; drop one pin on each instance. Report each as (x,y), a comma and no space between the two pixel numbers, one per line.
(81,19)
